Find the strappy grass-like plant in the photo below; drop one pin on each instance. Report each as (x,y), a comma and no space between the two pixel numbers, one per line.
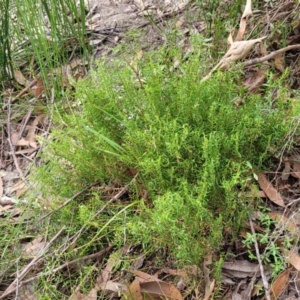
(45,34)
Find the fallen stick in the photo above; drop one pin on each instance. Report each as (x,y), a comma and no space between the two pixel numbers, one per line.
(269,56)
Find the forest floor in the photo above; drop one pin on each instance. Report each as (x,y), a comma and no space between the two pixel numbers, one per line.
(260,262)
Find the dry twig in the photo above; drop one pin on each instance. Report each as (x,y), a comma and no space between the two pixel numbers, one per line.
(263,276)
(24,123)
(99,254)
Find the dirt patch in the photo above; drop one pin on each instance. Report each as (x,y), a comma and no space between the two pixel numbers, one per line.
(108,21)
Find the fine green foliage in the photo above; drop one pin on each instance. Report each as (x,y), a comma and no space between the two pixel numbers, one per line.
(272,255)
(192,147)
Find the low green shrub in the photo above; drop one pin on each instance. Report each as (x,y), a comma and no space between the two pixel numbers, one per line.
(191,145)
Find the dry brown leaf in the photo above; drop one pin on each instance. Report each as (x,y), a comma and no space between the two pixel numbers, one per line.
(269,190)
(230,39)
(148,287)
(14,138)
(227,280)
(262,194)
(241,269)
(178,24)
(77,295)
(279,284)
(240,49)
(293,40)
(134,62)
(113,259)
(209,290)
(23,143)
(285,222)
(133,292)
(243,22)
(286,172)
(92,295)
(209,284)
(242,29)
(255,82)
(20,77)
(176,63)
(207,260)
(293,259)
(296,170)
(15,213)
(30,137)
(142,276)
(19,188)
(76,62)
(34,247)
(237,51)
(38,89)
(240,265)
(187,271)
(248,9)
(159,290)
(79,74)
(177,272)
(9,210)
(4,208)
(4,200)
(279,62)
(263,50)
(112,287)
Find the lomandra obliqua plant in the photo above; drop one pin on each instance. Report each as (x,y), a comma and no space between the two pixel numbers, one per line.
(46,33)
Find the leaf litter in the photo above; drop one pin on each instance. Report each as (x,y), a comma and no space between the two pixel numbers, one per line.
(269,190)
